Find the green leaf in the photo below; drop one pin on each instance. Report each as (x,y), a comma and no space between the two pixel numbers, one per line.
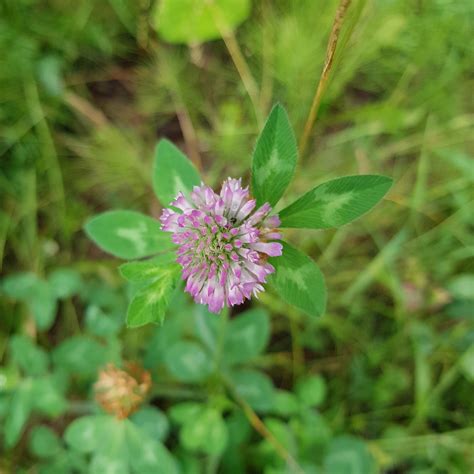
(32,359)
(44,442)
(188,362)
(88,433)
(299,281)
(274,158)
(100,323)
(65,282)
(18,412)
(105,464)
(207,327)
(37,293)
(148,269)
(336,202)
(205,433)
(247,336)
(149,305)
(255,388)
(151,421)
(285,404)
(80,355)
(147,455)
(181,412)
(172,172)
(348,455)
(48,398)
(195,21)
(128,234)
(311,390)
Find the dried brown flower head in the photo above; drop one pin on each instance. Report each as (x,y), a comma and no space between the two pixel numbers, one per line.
(120,391)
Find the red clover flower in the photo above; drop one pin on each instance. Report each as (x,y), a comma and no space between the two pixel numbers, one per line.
(223,243)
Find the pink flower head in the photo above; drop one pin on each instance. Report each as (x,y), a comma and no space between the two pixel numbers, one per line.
(223,243)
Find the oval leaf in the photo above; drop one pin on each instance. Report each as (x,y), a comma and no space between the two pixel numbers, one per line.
(188,362)
(336,202)
(172,172)
(255,388)
(149,305)
(195,21)
(247,336)
(299,281)
(274,158)
(206,432)
(128,234)
(85,434)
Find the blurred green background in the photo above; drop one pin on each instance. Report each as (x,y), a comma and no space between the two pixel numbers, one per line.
(382,382)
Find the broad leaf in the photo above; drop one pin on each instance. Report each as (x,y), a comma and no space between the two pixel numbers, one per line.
(247,336)
(148,269)
(128,234)
(32,359)
(149,305)
(44,442)
(65,282)
(299,281)
(151,421)
(48,397)
(336,202)
(206,432)
(274,158)
(37,293)
(87,434)
(255,388)
(145,454)
(311,390)
(188,362)
(349,455)
(195,21)
(172,172)
(207,327)
(18,412)
(80,355)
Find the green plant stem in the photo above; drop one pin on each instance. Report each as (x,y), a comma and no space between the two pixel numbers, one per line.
(239,61)
(323,80)
(262,429)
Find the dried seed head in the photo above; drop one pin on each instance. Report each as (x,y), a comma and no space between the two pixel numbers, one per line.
(121,391)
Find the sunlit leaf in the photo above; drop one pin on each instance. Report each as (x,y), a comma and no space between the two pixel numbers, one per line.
(31,358)
(299,281)
(128,234)
(80,355)
(336,202)
(148,269)
(44,442)
(247,336)
(205,433)
(36,293)
(18,412)
(274,158)
(195,21)
(311,390)
(349,455)
(151,421)
(146,454)
(65,282)
(150,303)
(255,388)
(172,172)
(188,362)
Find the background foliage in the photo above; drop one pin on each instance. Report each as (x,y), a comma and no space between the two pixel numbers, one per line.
(382,382)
